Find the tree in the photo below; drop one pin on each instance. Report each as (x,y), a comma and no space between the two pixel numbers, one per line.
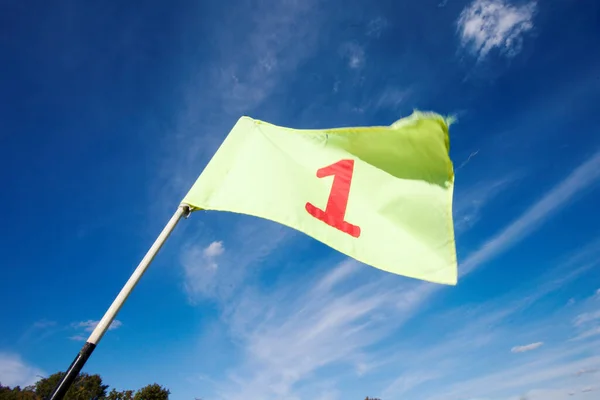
(124,395)
(85,387)
(152,392)
(17,393)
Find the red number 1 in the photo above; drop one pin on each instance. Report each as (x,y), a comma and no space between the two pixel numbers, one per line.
(338,197)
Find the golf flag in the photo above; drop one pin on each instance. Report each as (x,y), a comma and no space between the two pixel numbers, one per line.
(381,195)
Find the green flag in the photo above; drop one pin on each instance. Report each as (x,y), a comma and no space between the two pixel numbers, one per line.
(382,195)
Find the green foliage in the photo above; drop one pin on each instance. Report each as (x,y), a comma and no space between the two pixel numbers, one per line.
(124,395)
(17,393)
(152,392)
(85,387)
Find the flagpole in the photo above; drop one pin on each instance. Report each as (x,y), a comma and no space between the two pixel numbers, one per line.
(67,380)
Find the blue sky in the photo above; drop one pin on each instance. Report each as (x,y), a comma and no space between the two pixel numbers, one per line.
(110,110)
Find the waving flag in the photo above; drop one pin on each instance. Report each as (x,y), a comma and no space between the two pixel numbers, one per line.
(382,195)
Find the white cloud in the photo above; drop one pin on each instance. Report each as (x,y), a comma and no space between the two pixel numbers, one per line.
(16,372)
(89,325)
(562,194)
(527,347)
(495,24)
(214,249)
(200,268)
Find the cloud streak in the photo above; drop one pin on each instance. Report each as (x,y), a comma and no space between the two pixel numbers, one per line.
(471,341)
(583,177)
(470,202)
(303,327)
(526,348)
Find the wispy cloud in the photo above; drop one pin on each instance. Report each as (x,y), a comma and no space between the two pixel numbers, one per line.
(44,323)
(485,25)
(557,365)
(408,381)
(354,54)
(14,371)
(39,331)
(200,268)
(391,98)
(563,393)
(527,347)
(472,341)
(376,26)
(586,371)
(279,36)
(212,272)
(587,317)
(289,334)
(337,275)
(78,338)
(588,333)
(470,202)
(562,194)
(88,326)
(464,163)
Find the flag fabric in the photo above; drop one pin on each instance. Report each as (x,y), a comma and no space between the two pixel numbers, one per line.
(381,195)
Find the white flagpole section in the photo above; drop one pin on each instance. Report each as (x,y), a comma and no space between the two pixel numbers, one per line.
(110,315)
(67,380)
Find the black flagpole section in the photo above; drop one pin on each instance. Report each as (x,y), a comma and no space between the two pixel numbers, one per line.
(73,371)
(69,377)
